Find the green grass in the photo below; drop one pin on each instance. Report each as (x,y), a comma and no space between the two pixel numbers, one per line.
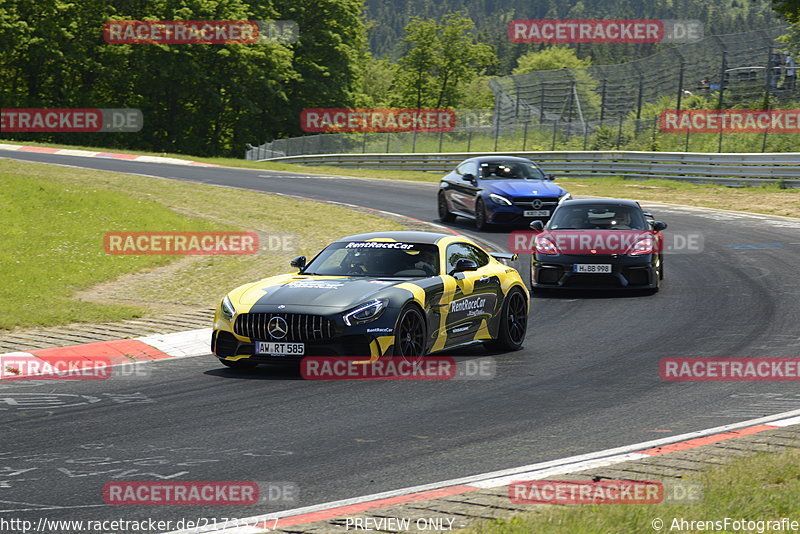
(55,270)
(762,487)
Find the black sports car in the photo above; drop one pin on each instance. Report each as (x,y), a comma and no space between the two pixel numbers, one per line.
(499,190)
(387,293)
(598,244)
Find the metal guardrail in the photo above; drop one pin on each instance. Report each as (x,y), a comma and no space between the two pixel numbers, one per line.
(697,167)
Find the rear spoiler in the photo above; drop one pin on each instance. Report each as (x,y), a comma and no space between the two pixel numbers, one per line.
(503,256)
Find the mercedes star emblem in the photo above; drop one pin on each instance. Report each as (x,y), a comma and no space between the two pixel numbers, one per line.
(277,327)
(537,203)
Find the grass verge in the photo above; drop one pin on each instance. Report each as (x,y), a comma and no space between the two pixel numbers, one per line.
(758,488)
(56,270)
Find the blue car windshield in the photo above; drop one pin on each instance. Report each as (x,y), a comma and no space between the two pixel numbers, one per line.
(376,259)
(510,170)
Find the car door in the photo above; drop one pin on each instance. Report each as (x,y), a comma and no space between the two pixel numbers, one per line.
(477,295)
(461,191)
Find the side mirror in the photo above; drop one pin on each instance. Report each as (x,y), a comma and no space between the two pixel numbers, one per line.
(469,177)
(551,177)
(659,226)
(299,262)
(537,226)
(464,264)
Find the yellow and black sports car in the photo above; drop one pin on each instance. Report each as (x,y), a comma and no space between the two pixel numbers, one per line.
(386,293)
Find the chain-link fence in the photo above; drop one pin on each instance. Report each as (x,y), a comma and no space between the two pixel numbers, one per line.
(600,107)
(736,67)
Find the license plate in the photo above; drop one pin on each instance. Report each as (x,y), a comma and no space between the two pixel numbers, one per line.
(592,268)
(280,349)
(536,213)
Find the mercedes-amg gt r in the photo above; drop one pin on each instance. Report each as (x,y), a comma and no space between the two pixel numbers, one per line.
(373,295)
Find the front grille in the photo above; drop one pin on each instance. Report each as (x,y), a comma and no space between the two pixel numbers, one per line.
(527,202)
(300,327)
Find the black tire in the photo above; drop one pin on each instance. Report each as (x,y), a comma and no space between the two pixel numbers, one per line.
(480,216)
(410,334)
(444,211)
(513,323)
(241,365)
(660,267)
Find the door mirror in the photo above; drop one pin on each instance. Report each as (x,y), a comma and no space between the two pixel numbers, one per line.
(551,177)
(299,262)
(659,226)
(469,178)
(464,264)
(537,226)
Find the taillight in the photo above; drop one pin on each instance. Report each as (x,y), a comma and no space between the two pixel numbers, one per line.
(545,246)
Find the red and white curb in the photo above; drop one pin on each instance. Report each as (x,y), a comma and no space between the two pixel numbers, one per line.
(104,155)
(114,352)
(638,451)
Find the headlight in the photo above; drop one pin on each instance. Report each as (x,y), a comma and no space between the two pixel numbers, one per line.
(545,245)
(227,308)
(567,196)
(365,313)
(503,201)
(643,246)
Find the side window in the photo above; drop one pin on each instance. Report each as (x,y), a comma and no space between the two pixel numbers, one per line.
(457,251)
(470,167)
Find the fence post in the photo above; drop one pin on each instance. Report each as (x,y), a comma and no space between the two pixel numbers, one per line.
(619,133)
(516,103)
(603,102)
(364,144)
(441,138)
(585,136)
(555,125)
(541,104)
(496,131)
(722,73)
(469,140)
(680,85)
(525,137)
(388,134)
(655,133)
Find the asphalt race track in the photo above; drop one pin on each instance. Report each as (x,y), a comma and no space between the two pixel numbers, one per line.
(586,380)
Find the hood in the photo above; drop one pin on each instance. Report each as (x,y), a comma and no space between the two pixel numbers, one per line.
(523,188)
(318,291)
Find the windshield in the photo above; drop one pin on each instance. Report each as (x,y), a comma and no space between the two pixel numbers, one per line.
(510,170)
(597,217)
(376,259)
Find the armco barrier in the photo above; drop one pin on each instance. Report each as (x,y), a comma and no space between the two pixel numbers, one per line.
(733,168)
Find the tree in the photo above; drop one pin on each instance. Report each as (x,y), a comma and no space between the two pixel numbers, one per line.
(440,60)
(551,58)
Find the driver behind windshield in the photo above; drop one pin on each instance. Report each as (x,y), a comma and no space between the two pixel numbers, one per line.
(509,170)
